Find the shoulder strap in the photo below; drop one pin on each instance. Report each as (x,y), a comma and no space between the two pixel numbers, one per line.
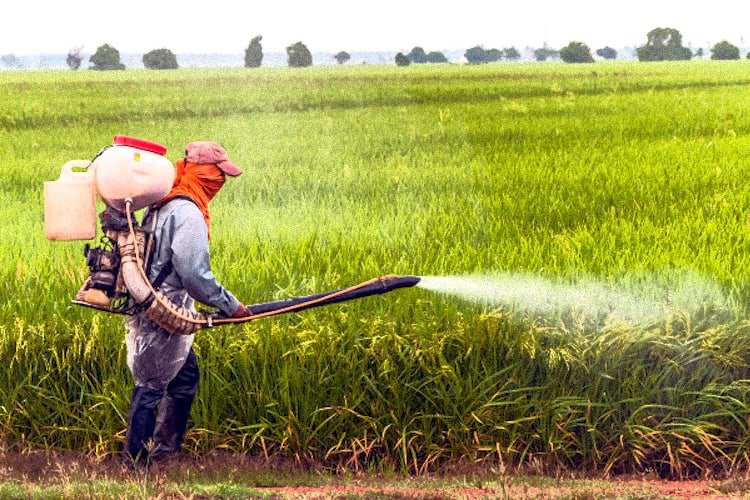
(165,271)
(151,237)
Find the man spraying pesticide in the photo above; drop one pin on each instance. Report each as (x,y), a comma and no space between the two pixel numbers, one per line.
(155,271)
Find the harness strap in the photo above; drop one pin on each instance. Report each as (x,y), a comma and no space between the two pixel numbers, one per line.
(163,273)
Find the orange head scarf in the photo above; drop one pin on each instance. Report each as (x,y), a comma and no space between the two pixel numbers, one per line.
(198,182)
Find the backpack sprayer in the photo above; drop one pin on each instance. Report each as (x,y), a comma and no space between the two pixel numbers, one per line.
(129,175)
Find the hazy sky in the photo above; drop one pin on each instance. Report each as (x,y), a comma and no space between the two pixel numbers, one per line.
(137,26)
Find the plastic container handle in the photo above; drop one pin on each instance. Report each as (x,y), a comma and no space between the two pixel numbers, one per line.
(69,166)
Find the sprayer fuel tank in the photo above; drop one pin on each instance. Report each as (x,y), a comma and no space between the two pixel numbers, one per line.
(133,169)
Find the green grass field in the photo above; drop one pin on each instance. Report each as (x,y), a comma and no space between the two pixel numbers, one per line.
(623,174)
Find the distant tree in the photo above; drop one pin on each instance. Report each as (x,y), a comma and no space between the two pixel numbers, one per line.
(664,44)
(254,53)
(74,58)
(402,60)
(724,51)
(545,53)
(494,55)
(160,59)
(342,57)
(478,55)
(474,55)
(511,54)
(436,57)
(699,52)
(748,55)
(607,53)
(576,52)
(106,58)
(417,55)
(10,61)
(298,55)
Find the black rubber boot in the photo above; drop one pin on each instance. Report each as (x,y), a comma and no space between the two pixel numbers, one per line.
(174,410)
(141,421)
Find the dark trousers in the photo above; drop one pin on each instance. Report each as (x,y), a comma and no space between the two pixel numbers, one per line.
(158,418)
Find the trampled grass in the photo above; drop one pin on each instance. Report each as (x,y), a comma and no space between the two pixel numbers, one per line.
(622,174)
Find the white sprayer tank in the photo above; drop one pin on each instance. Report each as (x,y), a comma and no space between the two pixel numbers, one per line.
(133,169)
(70,203)
(129,169)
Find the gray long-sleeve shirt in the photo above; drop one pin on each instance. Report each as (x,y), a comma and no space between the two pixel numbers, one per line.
(180,237)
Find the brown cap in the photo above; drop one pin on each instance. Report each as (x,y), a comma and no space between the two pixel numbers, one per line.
(208,152)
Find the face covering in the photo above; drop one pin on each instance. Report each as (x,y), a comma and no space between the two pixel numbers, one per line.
(200,183)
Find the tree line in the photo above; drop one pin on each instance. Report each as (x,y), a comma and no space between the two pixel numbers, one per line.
(663,44)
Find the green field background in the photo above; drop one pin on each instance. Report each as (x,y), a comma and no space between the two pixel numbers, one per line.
(621,173)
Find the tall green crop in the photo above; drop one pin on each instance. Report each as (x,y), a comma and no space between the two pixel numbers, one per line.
(614,172)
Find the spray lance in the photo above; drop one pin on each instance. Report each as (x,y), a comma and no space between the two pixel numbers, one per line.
(129,175)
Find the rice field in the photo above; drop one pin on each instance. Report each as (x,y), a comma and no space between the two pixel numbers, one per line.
(631,176)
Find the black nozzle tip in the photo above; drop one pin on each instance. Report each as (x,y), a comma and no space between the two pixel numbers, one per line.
(402,282)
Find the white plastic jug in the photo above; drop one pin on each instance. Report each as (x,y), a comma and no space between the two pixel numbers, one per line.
(70,203)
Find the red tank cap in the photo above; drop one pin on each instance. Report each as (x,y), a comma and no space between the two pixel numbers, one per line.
(134,142)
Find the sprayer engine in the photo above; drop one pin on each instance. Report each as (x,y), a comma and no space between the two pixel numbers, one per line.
(105,288)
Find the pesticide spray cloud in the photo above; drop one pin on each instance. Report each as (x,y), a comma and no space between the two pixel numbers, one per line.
(640,302)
